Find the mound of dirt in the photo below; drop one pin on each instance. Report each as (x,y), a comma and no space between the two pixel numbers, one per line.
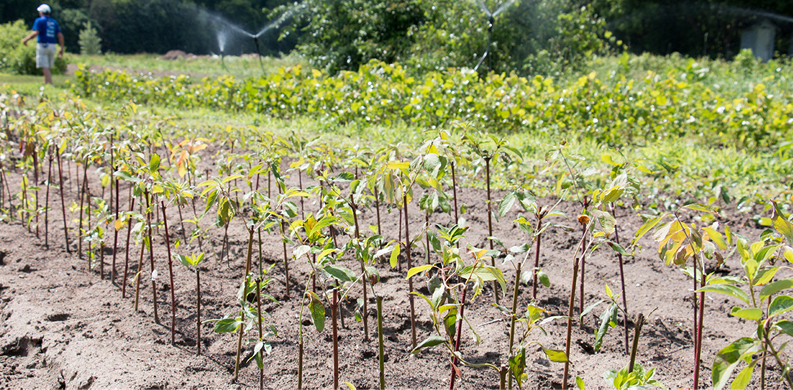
(175,55)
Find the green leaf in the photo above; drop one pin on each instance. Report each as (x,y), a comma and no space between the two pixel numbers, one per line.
(726,289)
(555,355)
(618,248)
(395,256)
(775,287)
(579,382)
(743,377)
(317,311)
(727,359)
(701,207)
(647,227)
(517,364)
(341,273)
(183,259)
(428,343)
(780,304)
(543,278)
(506,204)
(749,314)
(785,327)
(154,163)
(416,270)
(227,325)
(605,325)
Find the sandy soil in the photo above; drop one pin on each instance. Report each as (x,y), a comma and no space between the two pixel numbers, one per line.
(62,326)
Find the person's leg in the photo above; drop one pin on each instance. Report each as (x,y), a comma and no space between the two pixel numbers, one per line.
(47,75)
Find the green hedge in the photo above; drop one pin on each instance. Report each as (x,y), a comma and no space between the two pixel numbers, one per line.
(20,59)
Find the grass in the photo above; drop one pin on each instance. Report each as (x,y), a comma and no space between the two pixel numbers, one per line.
(245,66)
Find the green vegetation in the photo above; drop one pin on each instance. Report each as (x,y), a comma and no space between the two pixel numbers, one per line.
(17,58)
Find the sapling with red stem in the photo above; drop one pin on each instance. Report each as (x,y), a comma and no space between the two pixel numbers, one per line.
(193,262)
(489,148)
(170,273)
(448,318)
(580,250)
(63,202)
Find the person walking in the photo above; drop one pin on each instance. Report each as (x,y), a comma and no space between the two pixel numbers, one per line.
(48,32)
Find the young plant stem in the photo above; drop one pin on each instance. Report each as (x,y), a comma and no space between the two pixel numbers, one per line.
(570,324)
(410,281)
(126,259)
(115,240)
(333,307)
(259,242)
(102,260)
(198,310)
(454,193)
(80,226)
(363,271)
(399,239)
(581,294)
(513,318)
(427,232)
(490,223)
(151,257)
(170,272)
(300,183)
(36,193)
(536,263)
(46,204)
(636,334)
(259,318)
(239,352)
(286,258)
(377,209)
(381,356)
(698,352)
(250,252)
(457,337)
(140,272)
(622,281)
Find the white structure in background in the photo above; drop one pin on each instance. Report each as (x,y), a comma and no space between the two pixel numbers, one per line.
(760,38)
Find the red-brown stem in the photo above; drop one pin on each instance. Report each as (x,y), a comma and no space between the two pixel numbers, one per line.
(363,271)
(399,239)
(140,272)
(454,193)
(377,209)
(47,204)
(198,309)
(536,259)
(115,240)
(286,259)
(36,180)
(80,226)
(581,294)
(427,233)
(570,325)
(333,307)
(410,281)
(151,258)
(259,315)
(170,271)
(457,338)
(490,224)
(699,332)
(622,281)
(126,250)
(300,182)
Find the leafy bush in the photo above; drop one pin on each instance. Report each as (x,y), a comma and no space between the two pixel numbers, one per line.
(17,58)
(90,43)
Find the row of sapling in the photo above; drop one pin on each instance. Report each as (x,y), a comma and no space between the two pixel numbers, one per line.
(378,176)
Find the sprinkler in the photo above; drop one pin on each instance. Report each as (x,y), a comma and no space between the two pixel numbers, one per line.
(256,41)
(491,22)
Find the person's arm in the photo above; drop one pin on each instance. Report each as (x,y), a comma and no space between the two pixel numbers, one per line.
(60,42)
(32,35)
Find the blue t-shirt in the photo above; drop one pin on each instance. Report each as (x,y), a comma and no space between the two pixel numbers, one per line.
(48,29)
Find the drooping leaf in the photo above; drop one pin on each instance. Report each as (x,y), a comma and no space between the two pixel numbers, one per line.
(555,355)
(726,289)
(341,273)
(749,314)
(780,304)
(428,343)
(775,287)
(727,359)
(227,325)
(317,311)
(416,270)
